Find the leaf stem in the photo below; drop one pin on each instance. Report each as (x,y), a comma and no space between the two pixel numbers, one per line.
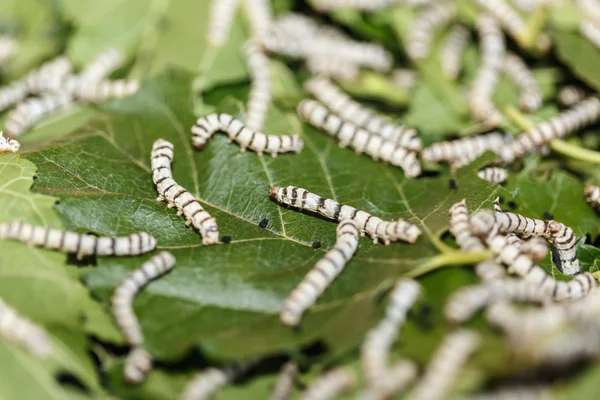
(575,152)
(517,117)
(453,258)
(535,24)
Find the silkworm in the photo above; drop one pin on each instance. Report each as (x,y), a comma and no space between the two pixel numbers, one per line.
(12,94)
(260,17)
(592,196)
(488,73)
(222,13)
(206,383)
(261,91)
(445,366)
(590,31)
(101,66)
(20,330)
(493,175)
(465,150)
(98,92)
(591,8)
(571,95)
(81,245)
(514,322)
(376,228)
(506,15)
(376,347)
(329,385)
(530,5)
(516,70)
(349,110)
(8,47)
(399,376)
(575,118)
(452,51)
(31,111)
(177,196)
(247,138)
(361,140)
(426,24)
(49,77)
(285,382)
(137,365)
(333,67)
(321,276)
(8,145)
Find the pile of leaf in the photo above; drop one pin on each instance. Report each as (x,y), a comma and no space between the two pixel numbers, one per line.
(89,170)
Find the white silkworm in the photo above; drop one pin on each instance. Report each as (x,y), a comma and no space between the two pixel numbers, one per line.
(320,277)
(376,347)
(28,113)
(516,70)
(139,361)
(399,376)
(493,174)
(575,118)
(506,15)
(465,150)
(285,382)
(261,91)
(445,366)
(12,94)
(8,47)
(81,245)
(18,329)
(591,32)
(426,24)
(349,110)
(452,51)
(49,77)
(329,385)
(361,140)
(177,196)
(363,5)
(488,73)
(260,17)
(101,66)
(98,92)
(332,67)
(8,145)
(571,95)
(376,228)
(592,196)
(206,383)
(591,8)
(247,138)
(222,13)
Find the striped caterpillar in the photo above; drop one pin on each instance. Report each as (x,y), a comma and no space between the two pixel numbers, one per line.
(359,139)
(8,145)
(445,365)
(18,329)
(8,47)
(591,32)
(261,91)
(571,95)
(285,382)
(425,26)
(452,51)
(206,383)
(102,65)
(592,196)
(329,385)
(81,245)
(376,228)
(247,138)
(321,276)
(333,67)
(222,13)
(31,111)
(100,91)
(379,341)
(463,151)
(399,376)
(493,175)
(531,94)
(139,361)
(488,73)
(177,196)
(577,117)
(260,17)
(349,110)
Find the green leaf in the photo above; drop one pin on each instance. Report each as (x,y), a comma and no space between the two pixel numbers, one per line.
(580,55)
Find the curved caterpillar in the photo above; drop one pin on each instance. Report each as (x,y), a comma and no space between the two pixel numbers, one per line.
(329,385)
(444,367)
(577,117)
(101,66)
(18,329)
(261,91)
(49,77)
(81,245)
(8,47)
(100,91)
(31,111)
(285,382)
(349,110)
(516,70)
(376,228)
(222,13)
(8,145)
(463,151)
(571,95)
(207,126)
(359,139)
(592,196)
(333,67)
(139,361)
(488,73)
(260,17)
(177,196)
(321,276)
(426,24)
(452,51)
(591,32)
(493,175)
(399,376)
(206,383)
(379,341)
